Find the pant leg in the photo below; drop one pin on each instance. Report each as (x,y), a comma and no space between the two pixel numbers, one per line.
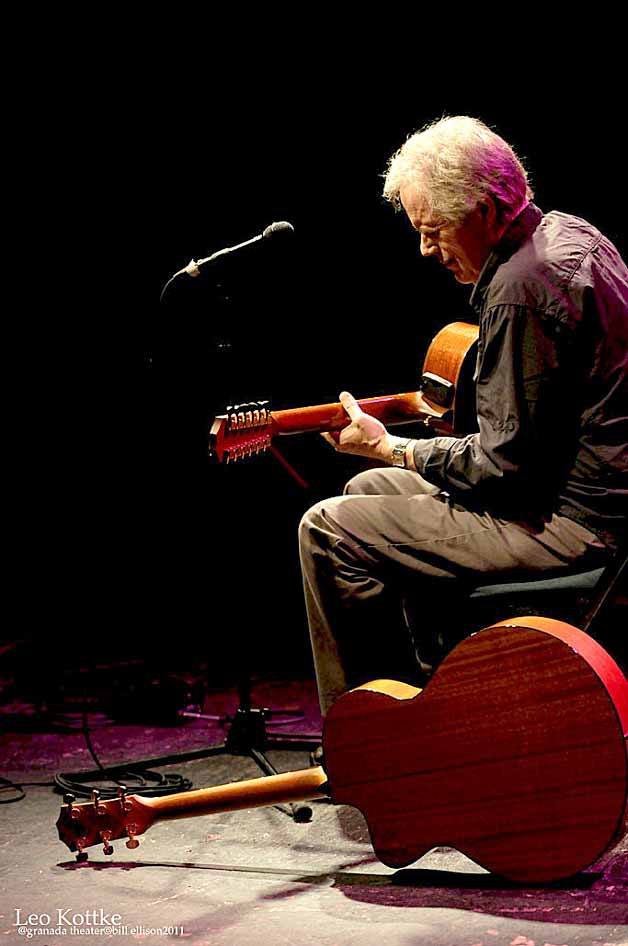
(391,530)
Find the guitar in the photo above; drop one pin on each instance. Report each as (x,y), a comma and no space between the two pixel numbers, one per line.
(444,403)
(514,753)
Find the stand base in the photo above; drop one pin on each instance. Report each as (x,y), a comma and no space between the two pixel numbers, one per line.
(248,736)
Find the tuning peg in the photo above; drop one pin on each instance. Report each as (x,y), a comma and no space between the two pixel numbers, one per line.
(81,855)
(105,837)
(99,809)
(132,842)
(69,800)
(124,804)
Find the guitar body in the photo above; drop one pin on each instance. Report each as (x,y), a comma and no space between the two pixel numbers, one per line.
(514,754)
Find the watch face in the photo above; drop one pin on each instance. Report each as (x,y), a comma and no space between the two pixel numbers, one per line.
(399,455)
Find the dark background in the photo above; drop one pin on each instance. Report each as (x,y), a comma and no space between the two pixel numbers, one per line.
(128,535)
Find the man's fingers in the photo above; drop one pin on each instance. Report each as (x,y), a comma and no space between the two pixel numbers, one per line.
(350,404)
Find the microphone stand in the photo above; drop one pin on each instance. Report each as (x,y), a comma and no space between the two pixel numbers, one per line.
(247,733)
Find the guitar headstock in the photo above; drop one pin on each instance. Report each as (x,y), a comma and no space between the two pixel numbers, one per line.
(81,826)
(244,431)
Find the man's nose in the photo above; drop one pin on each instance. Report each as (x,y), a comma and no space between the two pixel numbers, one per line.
(428,247)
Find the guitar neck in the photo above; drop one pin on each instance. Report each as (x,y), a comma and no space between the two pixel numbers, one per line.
(391,409)
(443,404)
(251,793)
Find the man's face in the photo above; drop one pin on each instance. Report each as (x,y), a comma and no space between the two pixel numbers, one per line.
(461,248)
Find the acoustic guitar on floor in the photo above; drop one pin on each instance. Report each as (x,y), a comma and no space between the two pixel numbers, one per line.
(514,754)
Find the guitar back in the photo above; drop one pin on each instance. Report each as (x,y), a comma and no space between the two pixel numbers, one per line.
(514,754)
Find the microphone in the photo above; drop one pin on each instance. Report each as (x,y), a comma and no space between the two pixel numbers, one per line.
(193,267)
(282,227)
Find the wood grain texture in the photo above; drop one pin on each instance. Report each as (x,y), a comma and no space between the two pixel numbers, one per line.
(609,672)
(513,754)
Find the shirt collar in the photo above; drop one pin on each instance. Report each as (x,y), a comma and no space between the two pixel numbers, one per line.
(520,229)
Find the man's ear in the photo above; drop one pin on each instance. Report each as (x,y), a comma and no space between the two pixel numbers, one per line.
(487,208)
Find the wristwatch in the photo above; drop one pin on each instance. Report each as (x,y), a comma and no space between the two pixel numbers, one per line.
(399,454)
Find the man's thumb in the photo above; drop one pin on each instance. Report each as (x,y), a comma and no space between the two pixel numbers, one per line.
(350,404)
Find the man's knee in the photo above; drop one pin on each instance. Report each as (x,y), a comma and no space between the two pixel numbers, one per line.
(362,484)
(309,521)
(389,481)
(317,526)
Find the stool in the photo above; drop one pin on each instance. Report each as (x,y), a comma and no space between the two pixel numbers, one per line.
(567,594)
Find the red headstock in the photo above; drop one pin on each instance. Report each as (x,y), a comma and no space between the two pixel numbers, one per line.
(245,430)
(94,822)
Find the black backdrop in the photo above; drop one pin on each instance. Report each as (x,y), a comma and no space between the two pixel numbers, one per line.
(128,530)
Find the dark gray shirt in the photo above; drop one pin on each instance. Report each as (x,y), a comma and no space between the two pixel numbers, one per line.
(551,381)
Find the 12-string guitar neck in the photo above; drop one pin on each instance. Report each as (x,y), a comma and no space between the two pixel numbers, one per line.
(444,403)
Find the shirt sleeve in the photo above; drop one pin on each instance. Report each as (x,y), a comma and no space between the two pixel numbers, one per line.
(502,465)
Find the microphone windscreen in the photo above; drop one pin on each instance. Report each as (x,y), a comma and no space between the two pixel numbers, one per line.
(281,227)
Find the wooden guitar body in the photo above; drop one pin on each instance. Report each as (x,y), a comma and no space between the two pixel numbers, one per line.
(514,753)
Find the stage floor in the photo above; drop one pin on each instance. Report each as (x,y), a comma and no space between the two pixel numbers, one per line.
(252,878)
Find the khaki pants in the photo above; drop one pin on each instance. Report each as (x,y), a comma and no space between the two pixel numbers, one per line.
(393,533)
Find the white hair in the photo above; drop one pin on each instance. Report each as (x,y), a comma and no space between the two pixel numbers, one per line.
(455,162)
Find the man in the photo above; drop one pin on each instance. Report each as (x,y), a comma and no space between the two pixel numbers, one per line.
(543,486)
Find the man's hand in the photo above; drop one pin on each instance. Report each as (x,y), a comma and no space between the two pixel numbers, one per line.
(366,436)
